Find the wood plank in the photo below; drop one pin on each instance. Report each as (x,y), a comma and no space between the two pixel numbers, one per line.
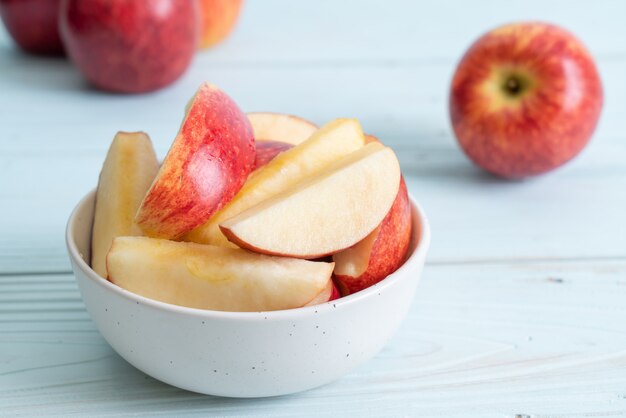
(364,30)
(541,339)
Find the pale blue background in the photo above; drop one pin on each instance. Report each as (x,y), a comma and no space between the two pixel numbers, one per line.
(522,305)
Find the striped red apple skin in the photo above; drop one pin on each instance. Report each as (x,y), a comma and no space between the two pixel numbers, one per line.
(206,166)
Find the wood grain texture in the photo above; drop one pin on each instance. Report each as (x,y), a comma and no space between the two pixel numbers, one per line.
(521,310)
(542,339)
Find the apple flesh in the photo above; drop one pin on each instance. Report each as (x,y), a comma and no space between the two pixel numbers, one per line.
(267,150)
(525,99)
(281,127)
(381,253)
(127,172)
(330,292)
(216,278)
(130,46)
(206,166)
(329,144)
(217,20)
(33,25)
(325,213)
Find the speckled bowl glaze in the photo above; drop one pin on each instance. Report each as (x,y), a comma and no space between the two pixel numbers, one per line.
(245,354)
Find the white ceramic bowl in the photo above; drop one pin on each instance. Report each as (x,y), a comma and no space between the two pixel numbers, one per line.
(245,354)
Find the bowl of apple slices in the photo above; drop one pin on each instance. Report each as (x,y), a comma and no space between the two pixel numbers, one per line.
(264,256)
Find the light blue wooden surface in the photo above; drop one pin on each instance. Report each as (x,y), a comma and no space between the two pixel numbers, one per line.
(522,305)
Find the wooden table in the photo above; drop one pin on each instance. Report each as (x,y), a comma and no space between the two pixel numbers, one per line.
(521,311)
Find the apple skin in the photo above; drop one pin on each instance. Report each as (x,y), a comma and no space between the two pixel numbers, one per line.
(130,46)
(525,99)
(33,25)
(217,20)
(206,166)
(335,293)
(389,249)
(267,150)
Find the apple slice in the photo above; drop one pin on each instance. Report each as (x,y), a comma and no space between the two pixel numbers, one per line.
(332,142)
(370,138)
(330,292)
(325,213)
(127,172)
(267,150)
(381,253)
(335,294)
(207,164)
(280,127)
(210,277)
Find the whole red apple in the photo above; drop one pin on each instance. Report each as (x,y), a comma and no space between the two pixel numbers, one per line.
(525,99)
(130,46)
(33,25)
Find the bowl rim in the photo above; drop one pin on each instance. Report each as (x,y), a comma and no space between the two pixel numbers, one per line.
(419,252)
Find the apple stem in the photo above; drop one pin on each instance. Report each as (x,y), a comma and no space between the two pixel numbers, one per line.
(513,85)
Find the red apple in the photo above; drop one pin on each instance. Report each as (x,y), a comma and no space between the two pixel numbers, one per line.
(335,293)
(33,25)
(267,150)
(217,20)
(206,166)
(380,253)
(525,99)
(130,46)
